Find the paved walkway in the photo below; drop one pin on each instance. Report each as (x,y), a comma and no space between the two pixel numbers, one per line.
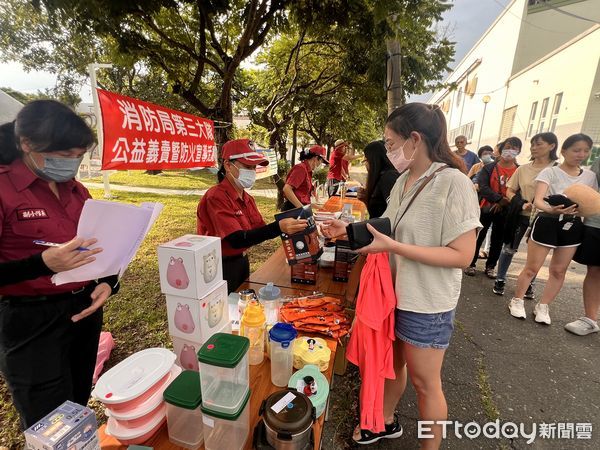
(269,193)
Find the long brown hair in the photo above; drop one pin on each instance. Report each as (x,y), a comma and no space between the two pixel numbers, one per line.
(430,123)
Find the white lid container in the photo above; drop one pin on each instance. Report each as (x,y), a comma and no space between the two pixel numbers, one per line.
(135,416)
(134,379)
(230,431)
(224,372)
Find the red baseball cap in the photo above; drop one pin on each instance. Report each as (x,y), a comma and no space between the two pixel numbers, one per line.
(244,151)
(320,151)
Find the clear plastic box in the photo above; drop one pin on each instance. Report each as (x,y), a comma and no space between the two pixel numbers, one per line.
(224,372)
(183,399)
(230,431)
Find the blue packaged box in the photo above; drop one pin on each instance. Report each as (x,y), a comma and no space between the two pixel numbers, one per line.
(68,427)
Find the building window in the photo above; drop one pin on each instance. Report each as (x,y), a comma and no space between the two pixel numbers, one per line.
(543,114)
(555,111)
(532,115)
(459,97)
(508,121)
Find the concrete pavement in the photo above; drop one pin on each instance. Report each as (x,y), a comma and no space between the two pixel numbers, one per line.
(501,367)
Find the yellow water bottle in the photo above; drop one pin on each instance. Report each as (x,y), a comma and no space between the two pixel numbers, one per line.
(252,326)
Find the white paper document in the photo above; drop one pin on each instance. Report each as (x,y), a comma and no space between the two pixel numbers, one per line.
(120,229)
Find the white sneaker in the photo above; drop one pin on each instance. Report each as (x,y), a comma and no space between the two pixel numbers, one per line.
(542,313)
(582,326)
(517,308)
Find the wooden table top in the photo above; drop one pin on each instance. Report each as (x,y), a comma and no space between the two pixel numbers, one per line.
(260,385)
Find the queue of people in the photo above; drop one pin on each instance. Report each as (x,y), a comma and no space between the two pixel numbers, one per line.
(440,205)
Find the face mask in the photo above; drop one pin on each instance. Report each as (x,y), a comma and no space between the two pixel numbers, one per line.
(58,169)
(510,154)
(246,178)
(398,160)
(487,159)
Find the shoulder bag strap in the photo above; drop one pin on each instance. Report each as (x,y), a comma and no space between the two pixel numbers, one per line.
(423,184)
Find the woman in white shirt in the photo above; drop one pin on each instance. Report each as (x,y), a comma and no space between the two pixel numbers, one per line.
(556,228)
(431,244)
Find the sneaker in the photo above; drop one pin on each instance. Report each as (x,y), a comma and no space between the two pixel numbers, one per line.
(542,313)
(392,431)
(517,308)
(470,271)
(499,286)
(582,326)
(529,293)
(490,272)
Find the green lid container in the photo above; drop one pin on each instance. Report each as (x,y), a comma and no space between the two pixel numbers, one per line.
(226,416)
(224,350)
(184,391)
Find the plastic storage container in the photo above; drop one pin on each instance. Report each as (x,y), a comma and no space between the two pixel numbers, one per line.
(183,398)
(135,379)
(230,431)
(140,434)
(281,344)
(309,350)
(137,416)
(269,296)
(313,384)
(252,326)
(224,372)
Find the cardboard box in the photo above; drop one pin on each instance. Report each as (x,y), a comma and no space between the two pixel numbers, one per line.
(198,319)
(344,261)
(187,350)
(301,247)
(304,273)
(190,266)
(68,427)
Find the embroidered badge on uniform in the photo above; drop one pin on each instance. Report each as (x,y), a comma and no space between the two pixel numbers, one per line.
(32,214)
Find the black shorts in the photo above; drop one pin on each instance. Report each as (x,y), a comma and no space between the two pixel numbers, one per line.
(559,231)
(588,252)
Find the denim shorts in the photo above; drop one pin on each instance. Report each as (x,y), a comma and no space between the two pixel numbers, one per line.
(425,330)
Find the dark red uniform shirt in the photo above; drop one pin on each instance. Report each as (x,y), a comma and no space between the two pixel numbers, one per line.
(300,179)
(337,163)
(29,210)
(222,212)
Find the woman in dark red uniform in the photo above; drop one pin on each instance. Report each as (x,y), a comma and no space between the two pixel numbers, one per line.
(298,184)
(48,334)
(229,212)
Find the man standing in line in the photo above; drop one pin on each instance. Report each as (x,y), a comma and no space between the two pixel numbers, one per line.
(468,156)
(339,165)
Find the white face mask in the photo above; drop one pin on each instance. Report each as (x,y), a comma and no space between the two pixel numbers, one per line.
(246,178)
(510,153)
(487,159)
(398,160)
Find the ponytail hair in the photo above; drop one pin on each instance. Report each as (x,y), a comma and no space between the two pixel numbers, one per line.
(8,145)
(49,126)
(430,123)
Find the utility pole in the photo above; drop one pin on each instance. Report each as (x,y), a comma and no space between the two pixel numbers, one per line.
(100,131)
(393,82)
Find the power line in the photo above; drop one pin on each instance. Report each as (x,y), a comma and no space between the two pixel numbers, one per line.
(567,13)
(527,22)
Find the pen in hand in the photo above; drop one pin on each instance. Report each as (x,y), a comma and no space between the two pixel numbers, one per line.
(54,244)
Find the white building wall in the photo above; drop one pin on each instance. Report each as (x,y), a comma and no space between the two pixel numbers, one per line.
(495,50)
(572,72)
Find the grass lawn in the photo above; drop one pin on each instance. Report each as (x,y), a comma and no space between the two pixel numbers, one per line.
(172,179)
(137,316)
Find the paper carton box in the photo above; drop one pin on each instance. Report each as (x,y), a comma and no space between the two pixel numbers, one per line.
(187,350)
(301,247)
(68,427)
(190,266)
(304,273)
(198,319)
(344,260)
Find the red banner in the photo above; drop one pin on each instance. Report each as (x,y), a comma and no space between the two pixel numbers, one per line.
(141,135)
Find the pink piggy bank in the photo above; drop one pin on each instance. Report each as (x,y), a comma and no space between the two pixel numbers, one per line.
(177,276)
(183,318)
(188,358)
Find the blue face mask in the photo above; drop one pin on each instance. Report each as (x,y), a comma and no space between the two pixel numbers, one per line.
(58,169)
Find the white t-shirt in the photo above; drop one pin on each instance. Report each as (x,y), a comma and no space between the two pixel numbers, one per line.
(558,180)
(444,210)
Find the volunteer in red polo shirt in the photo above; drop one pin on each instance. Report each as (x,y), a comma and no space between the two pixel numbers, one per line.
(339,165)
(298,184)
(229,212)
(48,334)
